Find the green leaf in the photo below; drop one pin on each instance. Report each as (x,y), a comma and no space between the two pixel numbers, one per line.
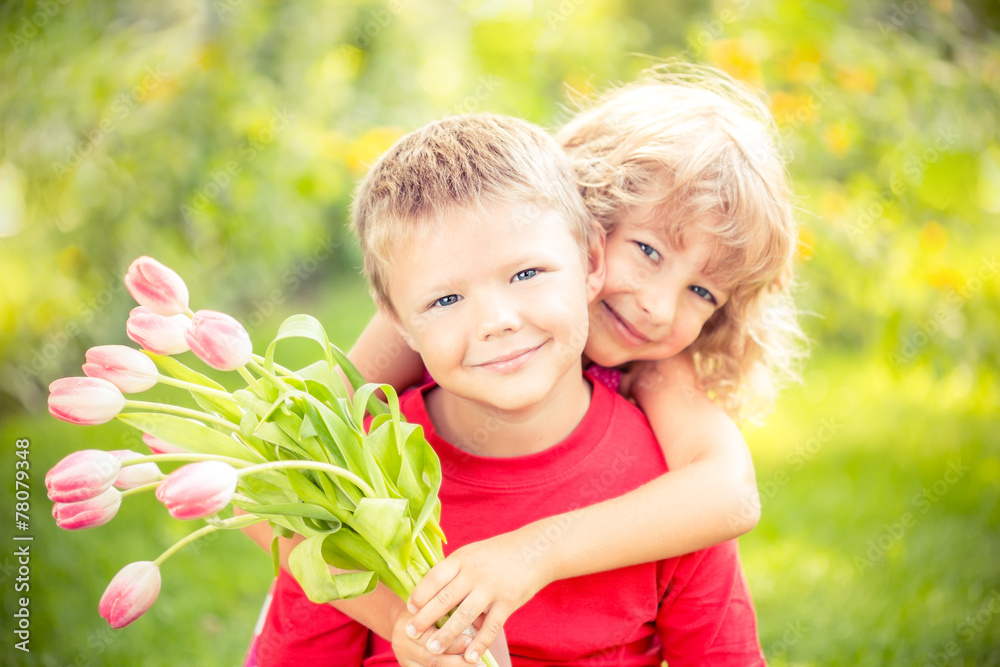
(275,549)
(252,403)
(177,370)
(310,570)
(296,509)
(365,398)
(190,435)
(385,522)
(420,474)
(321,373)
(349,551)
(381,442)
(299,326)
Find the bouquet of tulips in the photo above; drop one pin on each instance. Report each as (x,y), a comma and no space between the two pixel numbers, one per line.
(290,447)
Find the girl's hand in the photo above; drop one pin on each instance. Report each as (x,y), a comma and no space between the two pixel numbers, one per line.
(413,652)
(493,577)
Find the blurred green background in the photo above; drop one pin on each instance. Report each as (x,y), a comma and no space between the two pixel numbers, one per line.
(224,138)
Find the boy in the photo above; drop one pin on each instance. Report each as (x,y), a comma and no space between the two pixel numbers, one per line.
(479,249)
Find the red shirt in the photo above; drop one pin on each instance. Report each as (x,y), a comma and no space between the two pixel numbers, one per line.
(691,610)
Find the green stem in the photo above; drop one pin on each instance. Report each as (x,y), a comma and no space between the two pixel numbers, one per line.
(266,373)
(183,412)
(192,387)
(281,369)
(186,456)
(312,465)
(251,381)
(235,522)
(140,489)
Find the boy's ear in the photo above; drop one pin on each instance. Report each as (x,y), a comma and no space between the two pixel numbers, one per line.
(390,314)
(596,267)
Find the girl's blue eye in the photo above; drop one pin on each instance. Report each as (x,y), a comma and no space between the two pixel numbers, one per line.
(527,274)
(704,294)
(447,300)
(649,251)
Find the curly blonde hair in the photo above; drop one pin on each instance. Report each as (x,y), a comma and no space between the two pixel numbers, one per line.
(703,150)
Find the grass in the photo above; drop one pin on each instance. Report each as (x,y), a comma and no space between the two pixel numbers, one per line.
(852,563)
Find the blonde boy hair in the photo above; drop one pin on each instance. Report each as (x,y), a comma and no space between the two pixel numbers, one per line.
(703,150)
(466,165)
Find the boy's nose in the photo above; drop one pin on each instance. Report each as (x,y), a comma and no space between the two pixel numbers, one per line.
(498,318)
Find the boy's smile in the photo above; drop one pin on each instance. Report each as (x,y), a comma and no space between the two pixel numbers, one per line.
(496,305)
(656,297)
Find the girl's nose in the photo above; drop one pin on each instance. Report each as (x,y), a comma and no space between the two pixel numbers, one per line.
(658,302)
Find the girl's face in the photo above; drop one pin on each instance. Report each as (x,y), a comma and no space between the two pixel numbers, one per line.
(656,297)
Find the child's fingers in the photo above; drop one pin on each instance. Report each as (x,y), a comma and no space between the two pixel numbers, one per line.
(447,598)
(488,633)
(463,617)
(428,588)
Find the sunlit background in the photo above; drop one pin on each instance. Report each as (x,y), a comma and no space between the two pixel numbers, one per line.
(224,138)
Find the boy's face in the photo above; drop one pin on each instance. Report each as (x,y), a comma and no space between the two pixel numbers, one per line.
(497,306)
(656,297)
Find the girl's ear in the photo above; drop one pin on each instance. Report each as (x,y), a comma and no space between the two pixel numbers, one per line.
(596,267)
(390,314)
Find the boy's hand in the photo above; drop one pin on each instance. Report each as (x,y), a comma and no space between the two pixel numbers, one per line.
(491,576)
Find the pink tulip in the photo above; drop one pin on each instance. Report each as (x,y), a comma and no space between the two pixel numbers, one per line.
(219,340)
(130,594)
(129,370)
(89,513)
(198,489)
(157,287)
(135,475)
(158,446)
(156,333)
(84,401)
(82,475)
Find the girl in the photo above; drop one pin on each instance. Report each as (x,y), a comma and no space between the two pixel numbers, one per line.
(695,325)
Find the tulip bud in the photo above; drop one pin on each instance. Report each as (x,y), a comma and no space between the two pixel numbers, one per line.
(130,594)
(198,489)
(82,475)
(158,446)
(84,401)
(157,287)
(162,335)
(219,340)
(89,513)
(136,475)
(129,370)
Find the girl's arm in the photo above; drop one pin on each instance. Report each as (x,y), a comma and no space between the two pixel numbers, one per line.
(709,496)
(382,355)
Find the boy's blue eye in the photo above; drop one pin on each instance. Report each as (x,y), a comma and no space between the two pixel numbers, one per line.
(649,251)
(704,294)
(527,274)
(447,300)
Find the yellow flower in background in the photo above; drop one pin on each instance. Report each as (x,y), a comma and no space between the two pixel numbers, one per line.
(834,206)
(792,109)
(946,278)
(803,65)
(735,57)
(332,145)
(362,153)
(933,237)
(856,79)
(838,139)
(806,246)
